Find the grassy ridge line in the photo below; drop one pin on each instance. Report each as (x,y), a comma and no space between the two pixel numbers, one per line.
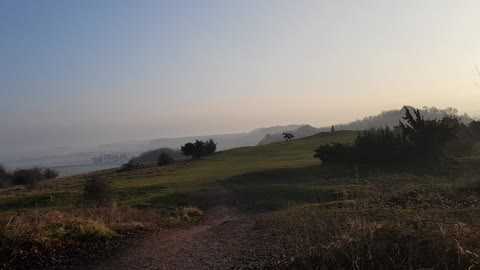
(155,186)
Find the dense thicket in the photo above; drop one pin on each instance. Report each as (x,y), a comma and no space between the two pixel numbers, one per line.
(414,138)
(199,148)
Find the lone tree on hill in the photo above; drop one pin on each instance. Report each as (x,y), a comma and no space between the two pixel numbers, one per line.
(288,136)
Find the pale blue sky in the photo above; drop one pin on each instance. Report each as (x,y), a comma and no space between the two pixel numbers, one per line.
(89,72)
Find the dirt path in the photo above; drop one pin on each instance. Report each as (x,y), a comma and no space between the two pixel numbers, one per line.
(226,239)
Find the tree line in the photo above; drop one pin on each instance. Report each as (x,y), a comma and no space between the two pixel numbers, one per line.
(415,137)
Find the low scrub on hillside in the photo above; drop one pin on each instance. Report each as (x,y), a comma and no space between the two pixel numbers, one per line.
(25,176)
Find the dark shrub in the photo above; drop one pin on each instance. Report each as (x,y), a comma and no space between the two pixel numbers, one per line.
(380,146)
(416,139)
(188,149)
(211,146)
(5,179)
(50,173)
(336,152)
(429,136)
(474,128)
(129,166)
(28,176)
(164,159)
(375,146)
(460,148)
(200,149)
(97,191)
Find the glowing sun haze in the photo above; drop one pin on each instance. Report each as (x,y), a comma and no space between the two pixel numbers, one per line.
(90,72)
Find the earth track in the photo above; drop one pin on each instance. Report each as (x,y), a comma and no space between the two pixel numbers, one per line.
(226,239)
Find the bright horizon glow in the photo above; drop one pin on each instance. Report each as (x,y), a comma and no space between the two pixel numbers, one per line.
(78,73)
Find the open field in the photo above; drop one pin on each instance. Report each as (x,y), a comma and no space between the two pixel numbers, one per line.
(311,215)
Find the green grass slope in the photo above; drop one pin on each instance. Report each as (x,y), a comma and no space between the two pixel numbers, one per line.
(184,183)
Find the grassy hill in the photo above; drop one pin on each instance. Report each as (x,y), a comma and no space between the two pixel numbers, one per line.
(322,216)
(273,175)
(186,182)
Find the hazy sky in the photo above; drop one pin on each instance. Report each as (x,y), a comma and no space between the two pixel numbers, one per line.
(89,72)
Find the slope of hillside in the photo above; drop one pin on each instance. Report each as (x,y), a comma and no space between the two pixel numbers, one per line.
(178,183)
(259,202)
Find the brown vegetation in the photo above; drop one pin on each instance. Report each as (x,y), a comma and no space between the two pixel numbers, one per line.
(393,230)
(45,238)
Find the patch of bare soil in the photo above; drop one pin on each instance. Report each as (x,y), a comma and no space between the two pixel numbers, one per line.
(227,238)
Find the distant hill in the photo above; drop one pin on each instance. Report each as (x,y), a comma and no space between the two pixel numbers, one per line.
(386,118)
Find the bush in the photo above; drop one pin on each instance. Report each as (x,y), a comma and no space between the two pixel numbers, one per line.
(129,166)
(429,136)
(5,179)
(164,159)
(28,176)
(199,148)
(375,146)
(188,149)
(32,176)
(211,147)
(335,152)
(460,148)
(416,139)
(474,128)
(97,191)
